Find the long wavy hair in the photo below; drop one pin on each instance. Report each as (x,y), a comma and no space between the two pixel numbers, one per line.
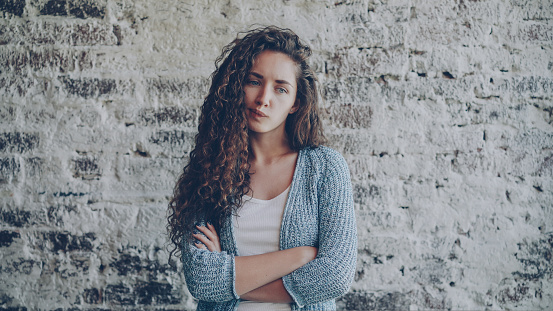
(216,177)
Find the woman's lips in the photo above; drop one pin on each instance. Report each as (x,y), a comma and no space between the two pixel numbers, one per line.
(257,113)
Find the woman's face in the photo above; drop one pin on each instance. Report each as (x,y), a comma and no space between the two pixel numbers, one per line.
(270,92)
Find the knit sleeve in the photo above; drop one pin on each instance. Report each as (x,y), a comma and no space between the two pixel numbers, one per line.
(331,273)
(210,276)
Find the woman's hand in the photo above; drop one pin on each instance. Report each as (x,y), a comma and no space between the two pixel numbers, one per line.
(210,240)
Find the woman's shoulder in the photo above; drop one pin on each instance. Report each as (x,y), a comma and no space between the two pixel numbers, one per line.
(323,154)
(324,160)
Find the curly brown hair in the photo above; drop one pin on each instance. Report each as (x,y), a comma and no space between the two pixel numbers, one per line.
(213,182)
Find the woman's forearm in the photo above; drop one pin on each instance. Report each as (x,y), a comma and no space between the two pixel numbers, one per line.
(255,271)
(272,292)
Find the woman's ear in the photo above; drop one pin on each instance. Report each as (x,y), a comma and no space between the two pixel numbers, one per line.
(295,107)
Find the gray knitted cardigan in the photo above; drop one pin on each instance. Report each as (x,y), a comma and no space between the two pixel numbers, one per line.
(319,212)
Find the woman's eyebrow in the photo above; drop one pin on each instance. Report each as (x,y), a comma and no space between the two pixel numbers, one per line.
(255,74)
(259,76)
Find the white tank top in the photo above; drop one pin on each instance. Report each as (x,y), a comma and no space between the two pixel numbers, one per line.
(257,231)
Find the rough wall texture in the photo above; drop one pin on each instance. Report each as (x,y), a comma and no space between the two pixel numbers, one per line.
(443,110)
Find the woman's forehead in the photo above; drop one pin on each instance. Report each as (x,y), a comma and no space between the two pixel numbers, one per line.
(275,65)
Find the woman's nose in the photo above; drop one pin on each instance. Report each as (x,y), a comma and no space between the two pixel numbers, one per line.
(264,97)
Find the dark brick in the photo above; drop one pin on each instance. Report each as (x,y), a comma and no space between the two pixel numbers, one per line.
(24,266)
(119,295)
(514,294)
(192,88)
(60,60)
(530,84)
(7,237)
(92,296)
(169,115)
(526,86)
(66,242)
(49,32)
(79,9)
(11,60)
(362,194)
(369,301)
(20,85)
(172,138)
(154,268)
(9,168)
(155,293)
(93,87)
(18,142)
(127,264)
(536,258)
(534,10)
(14,7)
(87,87)
(536,32)
(92,34)
(55,7)
(86,168)
(50,59)
(22,218)
(5,299)
(15,218)
(86,9)
(7,114)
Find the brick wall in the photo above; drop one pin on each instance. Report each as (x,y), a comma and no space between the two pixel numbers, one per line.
(443,110)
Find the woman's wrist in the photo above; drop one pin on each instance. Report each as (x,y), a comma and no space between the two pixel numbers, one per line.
(308,253)
(257,270)
(271,292)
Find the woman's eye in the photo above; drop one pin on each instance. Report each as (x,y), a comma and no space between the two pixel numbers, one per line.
(253,82)
(282,90)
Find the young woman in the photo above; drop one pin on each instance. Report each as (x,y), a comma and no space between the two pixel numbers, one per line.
(262,214)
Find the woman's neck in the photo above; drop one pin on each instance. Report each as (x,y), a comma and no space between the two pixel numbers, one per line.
(268,148)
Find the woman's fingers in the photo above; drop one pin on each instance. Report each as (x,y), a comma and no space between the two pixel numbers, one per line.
(215,239)
(209,231)
(211,228)
(202,238)
(200,246)
(209,238)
